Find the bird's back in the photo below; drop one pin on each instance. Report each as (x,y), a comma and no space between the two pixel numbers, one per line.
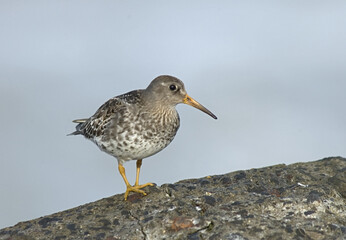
(96,124)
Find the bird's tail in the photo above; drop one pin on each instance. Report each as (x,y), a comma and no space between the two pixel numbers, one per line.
(80,120)
(78,127)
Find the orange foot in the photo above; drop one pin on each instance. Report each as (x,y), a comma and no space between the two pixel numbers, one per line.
(136,188)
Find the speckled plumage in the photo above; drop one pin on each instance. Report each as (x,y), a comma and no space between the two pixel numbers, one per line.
(124,128)
(139,123)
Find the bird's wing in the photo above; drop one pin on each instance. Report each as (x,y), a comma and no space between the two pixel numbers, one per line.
(96,124)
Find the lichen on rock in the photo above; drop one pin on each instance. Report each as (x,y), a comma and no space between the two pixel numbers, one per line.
(297,201)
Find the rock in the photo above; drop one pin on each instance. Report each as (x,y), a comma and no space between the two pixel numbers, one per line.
(298,201)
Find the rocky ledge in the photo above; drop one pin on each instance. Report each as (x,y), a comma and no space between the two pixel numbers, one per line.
(297,201)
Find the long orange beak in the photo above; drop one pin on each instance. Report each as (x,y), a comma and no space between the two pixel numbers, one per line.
(192,102)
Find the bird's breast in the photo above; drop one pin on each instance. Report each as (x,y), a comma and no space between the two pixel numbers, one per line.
(139,136)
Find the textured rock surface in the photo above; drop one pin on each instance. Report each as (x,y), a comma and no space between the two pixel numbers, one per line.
(298,201)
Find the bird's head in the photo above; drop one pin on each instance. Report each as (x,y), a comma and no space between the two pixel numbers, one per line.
(168,90)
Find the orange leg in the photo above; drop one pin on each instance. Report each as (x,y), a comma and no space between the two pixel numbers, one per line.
(136,187)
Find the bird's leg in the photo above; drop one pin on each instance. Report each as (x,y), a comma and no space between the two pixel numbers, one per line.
(138,165)
(130,188)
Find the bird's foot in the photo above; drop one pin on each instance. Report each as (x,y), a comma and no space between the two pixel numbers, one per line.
(136,188)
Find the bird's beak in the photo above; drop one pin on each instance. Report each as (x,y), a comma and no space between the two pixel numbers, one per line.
(192,102)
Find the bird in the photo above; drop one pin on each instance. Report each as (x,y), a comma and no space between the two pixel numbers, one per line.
(138,124)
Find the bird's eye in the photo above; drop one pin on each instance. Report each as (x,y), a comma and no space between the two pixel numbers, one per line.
(172,87)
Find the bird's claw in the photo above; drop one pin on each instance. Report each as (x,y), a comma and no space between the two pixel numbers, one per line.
(136,188)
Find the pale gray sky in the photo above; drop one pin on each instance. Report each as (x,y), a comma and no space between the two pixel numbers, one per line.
(272,71)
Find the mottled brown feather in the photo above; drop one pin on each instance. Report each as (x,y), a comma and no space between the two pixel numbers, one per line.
(96,124)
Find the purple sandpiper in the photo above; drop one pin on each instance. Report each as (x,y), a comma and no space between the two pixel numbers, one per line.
(138,124)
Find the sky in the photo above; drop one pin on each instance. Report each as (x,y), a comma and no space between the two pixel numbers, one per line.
(273,72)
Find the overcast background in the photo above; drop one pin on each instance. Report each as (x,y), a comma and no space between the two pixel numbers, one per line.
(272,71)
